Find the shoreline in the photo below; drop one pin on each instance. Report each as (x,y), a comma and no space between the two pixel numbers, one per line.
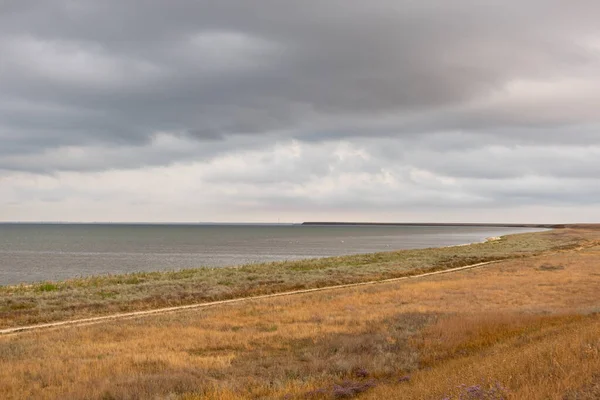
(486,240)
(104,295)
(286,260)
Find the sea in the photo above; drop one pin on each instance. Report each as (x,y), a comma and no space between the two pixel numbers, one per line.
(48,252)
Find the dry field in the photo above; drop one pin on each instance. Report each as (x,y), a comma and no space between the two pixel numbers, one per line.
(526,328)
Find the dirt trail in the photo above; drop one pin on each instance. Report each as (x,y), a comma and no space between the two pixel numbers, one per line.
(137,314)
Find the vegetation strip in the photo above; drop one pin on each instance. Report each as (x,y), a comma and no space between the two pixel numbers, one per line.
(86,321)
(97,296)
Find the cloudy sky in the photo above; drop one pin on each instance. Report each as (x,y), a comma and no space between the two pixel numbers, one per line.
(278,110)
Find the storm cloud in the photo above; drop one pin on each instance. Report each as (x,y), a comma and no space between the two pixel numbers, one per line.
(238,110)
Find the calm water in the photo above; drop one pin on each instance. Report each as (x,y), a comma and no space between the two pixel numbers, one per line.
(32,252)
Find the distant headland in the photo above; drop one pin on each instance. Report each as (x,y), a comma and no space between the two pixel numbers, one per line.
(493,225)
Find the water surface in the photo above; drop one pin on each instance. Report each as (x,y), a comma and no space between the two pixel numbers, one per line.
(37,252)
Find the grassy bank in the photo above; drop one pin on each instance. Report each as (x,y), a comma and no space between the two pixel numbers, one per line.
(101,295)
(526,328)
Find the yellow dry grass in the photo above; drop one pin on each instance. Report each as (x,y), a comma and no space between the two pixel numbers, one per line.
(529,324)
(541,359)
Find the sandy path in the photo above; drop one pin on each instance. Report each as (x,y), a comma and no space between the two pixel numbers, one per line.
(137,314)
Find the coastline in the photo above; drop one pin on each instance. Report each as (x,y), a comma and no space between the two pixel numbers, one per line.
(486,240)
(33,284)
(59,254)
(101,295)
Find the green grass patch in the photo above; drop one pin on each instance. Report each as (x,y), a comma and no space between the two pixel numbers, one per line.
(47,287)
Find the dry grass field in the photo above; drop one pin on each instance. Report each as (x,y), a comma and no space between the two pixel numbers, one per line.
(525,328)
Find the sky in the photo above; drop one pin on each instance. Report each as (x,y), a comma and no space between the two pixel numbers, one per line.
(291,111)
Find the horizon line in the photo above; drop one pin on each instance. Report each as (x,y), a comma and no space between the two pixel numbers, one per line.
(305,223)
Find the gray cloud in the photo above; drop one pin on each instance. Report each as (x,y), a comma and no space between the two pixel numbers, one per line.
(473,93)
